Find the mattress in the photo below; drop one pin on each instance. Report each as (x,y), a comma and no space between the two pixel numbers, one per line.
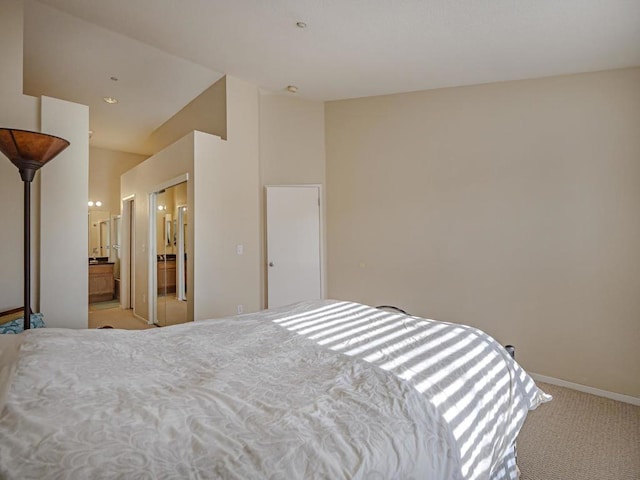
(317,390)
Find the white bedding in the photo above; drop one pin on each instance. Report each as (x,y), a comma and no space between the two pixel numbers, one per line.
(319,390)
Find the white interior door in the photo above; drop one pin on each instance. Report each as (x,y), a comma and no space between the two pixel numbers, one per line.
(293,244)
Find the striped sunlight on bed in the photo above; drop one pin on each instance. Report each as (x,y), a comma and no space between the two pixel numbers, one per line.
(469,379)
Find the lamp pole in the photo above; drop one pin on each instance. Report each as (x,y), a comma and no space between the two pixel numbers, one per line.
(27,175)
(27,254)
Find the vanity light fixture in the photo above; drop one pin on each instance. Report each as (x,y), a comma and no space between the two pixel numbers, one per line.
(110,100)
(90,203)
(97,203)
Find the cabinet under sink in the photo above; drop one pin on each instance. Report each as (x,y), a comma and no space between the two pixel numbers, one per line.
(101,282)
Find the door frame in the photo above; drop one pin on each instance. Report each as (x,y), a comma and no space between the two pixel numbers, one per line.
(127,253)
(181,293)
(322,241)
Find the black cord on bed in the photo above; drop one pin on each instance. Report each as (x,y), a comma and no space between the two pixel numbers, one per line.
(391,307)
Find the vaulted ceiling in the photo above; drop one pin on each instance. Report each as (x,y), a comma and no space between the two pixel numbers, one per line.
(155,56)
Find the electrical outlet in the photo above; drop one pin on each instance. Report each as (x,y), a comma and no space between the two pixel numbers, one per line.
(240,309)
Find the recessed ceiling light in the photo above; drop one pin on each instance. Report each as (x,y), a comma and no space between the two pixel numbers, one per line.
(292,89)
(110,100)
(301,25)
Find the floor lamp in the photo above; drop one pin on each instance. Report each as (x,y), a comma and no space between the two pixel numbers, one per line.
(29,151)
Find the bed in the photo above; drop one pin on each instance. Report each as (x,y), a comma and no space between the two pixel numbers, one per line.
(316,390)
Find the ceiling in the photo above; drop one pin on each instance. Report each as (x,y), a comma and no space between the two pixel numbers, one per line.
(164,52)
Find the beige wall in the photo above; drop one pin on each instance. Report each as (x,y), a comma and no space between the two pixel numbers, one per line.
(141,181)
(231,215)
(292,140)
(64,270)
(270,139)
(64,181)
(105,168)
(223,209)
(206,113)
(292,151)
(11,47)
(17,111)
(511,206)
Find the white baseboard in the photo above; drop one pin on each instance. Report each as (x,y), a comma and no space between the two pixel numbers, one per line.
(583,388)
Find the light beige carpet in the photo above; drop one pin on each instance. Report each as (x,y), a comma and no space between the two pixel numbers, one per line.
(578,436)
(170,312)
(104,305)
(116,318)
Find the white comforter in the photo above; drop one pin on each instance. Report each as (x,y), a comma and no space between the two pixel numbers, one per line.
(320,390)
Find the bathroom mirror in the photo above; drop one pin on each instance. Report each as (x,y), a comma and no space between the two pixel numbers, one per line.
(99,234)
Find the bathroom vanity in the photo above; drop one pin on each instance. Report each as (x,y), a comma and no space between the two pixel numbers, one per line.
(101,281)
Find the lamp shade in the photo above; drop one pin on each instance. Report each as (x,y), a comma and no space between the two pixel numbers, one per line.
(30,150)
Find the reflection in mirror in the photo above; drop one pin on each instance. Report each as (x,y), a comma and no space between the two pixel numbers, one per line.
(171,298)
(167,229)
(180,243)
(116,225)
(105,244)
(161,257)
(99,235)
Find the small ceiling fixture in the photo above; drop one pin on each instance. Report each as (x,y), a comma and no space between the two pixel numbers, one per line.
(292,89)
(110,100)
(301,25)
(115,79)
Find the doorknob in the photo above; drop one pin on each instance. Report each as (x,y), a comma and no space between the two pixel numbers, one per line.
(271,264)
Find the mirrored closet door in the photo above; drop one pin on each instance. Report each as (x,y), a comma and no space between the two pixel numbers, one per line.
(171,254)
